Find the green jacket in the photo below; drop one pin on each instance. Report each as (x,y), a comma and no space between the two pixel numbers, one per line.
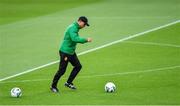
(71,38)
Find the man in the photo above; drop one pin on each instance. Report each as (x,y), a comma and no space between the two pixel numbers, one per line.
(68,54)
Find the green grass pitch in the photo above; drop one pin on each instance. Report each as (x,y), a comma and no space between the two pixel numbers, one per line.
(145,69)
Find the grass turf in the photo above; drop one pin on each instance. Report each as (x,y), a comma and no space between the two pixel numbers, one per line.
(34,41)
(29,41)
(156,87)
(17,10)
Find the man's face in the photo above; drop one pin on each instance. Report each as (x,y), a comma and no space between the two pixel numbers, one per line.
(81,24)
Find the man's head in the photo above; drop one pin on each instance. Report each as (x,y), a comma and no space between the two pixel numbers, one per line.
(83,21)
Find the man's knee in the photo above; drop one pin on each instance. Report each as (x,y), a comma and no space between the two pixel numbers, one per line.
(78,67)
(61,72)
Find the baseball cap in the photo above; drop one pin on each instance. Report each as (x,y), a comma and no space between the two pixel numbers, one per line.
(84,19)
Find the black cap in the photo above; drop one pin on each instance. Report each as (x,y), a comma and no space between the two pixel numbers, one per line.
(84,19)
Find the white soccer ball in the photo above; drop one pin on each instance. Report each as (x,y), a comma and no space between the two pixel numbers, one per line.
(110,87)
(16,92)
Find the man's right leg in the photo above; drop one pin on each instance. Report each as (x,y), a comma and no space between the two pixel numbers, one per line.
(62,68)
(77,67)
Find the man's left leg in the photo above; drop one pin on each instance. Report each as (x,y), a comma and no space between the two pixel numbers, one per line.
(77,67)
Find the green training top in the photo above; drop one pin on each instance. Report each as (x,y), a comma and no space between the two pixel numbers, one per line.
(71,38)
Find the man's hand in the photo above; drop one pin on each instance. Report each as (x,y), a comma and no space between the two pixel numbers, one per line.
(89,39)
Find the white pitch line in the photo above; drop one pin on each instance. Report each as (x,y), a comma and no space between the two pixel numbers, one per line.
(23,81)
(135,72)
(104,75)
(94,49)
(153,43)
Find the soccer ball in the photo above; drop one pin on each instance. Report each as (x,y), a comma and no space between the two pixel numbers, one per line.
(16,92)
(110,87)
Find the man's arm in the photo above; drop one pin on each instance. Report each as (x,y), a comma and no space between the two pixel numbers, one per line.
(76,38)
